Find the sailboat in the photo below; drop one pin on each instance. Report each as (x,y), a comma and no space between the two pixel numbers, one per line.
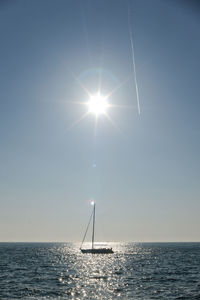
(94,250)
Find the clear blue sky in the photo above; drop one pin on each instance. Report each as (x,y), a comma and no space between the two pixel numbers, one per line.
(147,174)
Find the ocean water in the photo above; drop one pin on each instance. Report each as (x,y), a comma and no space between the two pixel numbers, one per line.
(134,271)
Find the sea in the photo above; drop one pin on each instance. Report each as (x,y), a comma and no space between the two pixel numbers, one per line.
(135,271)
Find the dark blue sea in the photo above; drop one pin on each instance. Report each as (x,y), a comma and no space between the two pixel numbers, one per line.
(134,271)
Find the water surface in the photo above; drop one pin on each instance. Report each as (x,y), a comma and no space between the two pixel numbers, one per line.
(134,271)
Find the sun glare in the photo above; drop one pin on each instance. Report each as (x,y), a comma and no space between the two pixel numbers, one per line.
(97,105)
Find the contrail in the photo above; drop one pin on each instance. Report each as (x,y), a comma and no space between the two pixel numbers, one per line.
(133,58)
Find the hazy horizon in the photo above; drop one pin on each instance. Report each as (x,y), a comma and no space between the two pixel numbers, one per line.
(98,243)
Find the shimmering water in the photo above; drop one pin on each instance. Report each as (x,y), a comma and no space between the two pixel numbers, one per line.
(134,271)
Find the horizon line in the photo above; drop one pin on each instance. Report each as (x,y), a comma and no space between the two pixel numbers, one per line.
(75,242)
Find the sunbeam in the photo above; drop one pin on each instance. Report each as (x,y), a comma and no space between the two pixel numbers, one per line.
(98,104)
(77,121)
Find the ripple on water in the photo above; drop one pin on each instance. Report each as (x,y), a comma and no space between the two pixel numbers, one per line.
(134,271)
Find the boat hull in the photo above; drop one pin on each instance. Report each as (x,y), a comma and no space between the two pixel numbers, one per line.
(98,251)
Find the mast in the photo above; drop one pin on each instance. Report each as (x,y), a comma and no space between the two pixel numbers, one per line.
(93,227)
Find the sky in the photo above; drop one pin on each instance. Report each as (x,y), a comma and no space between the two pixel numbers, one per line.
(142,170)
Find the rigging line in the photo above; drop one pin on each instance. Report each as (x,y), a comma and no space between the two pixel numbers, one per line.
(133,58)
(87,229)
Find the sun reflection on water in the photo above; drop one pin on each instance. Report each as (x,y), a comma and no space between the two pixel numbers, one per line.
(93,275)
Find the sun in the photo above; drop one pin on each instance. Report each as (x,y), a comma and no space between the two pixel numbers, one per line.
(97,104)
